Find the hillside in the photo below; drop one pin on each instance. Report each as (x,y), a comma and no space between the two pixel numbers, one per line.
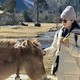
(21,5)
(26,4)
(51,14)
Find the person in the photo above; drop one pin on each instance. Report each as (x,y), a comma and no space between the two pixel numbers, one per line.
(66,48)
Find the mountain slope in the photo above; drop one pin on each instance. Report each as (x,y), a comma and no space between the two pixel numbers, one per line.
(22,4)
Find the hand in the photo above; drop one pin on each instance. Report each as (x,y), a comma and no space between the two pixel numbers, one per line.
(61,40)
(66,41)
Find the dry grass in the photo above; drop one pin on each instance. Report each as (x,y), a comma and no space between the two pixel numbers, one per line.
(48,59)
(24,31)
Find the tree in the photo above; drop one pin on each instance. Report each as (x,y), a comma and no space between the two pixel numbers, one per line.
(26,17)
(9,5)
(46,18)
(40,4)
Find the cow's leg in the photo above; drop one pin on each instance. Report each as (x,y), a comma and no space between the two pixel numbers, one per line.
(17,78)
(17,71)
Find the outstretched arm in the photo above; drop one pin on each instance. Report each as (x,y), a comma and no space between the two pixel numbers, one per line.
(53,47)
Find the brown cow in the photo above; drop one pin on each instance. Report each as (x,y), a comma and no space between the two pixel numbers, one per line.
(28,56)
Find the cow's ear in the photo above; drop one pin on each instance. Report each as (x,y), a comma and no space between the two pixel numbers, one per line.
(30,44)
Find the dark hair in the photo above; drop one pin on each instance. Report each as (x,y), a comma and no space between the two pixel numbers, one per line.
(74,26)
(66,31)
